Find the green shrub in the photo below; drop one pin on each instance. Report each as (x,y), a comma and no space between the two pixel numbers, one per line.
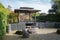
(12,18)
(3,23)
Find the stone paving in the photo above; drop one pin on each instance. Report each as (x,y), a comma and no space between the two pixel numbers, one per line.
(41,34)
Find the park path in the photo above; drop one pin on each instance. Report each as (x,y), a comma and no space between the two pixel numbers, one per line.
(41,34)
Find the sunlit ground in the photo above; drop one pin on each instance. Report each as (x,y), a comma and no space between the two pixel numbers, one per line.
(41,34)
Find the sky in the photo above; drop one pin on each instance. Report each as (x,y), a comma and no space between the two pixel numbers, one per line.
(43,5)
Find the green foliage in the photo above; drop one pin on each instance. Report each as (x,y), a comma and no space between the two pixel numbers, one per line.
(1,6)
(12,18)
(3,20)
(4,10)
(41,18)
(3,23)
(49,17)
(57,3)
(35,14)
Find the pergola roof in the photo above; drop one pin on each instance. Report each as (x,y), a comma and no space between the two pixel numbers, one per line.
(26,9)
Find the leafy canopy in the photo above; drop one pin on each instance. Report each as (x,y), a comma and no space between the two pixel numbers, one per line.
(57,3)
(4,10)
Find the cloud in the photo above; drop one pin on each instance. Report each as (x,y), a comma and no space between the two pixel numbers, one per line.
(43,5)
(40,6)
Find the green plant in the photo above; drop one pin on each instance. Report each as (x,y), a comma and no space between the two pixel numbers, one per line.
(3,20)
(12,18)
(3,23)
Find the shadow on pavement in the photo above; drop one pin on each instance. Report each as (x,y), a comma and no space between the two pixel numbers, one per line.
(49,36)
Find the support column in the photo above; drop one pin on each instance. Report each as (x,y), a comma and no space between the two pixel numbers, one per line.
(18,21)
(35,17)
(29,16)
(9,28)
(19,16)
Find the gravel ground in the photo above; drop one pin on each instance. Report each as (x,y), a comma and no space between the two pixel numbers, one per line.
(41,34)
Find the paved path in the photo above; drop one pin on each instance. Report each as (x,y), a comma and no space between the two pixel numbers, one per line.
(42,34)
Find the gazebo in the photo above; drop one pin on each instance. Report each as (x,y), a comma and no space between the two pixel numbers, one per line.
(25,15)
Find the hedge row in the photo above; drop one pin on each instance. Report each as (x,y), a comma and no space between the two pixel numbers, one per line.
(49,17)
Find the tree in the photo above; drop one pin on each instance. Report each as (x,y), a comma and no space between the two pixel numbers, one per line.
(35,15)
(12,18)
(3,20)
(3,23)
(56,6)
(4,10)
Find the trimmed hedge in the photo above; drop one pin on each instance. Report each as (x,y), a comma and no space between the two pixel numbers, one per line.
(49,17)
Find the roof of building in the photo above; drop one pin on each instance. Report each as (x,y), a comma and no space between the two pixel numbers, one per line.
(28,9)
(52,10)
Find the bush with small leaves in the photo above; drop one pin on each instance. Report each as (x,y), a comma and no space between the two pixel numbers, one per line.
(3,23)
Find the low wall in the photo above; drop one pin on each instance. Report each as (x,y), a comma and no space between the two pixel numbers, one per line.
(48,24)
(22,25)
